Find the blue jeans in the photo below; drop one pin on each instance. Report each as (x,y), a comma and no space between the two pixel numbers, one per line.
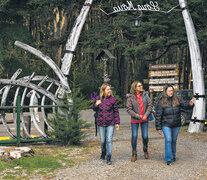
(144,128)
(171,135)
(106,136)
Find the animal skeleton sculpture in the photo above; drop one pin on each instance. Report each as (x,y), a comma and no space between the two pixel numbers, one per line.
(27,82)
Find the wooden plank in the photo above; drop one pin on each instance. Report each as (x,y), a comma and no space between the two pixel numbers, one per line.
(163,73)
(164,81)
(163,66)
(8,121)
(177,10)
(146,81)
(160,88)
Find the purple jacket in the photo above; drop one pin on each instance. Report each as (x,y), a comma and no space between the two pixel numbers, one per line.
(108,113)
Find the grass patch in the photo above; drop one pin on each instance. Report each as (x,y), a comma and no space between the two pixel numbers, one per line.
(183,129)
(45,160)
(15,177)
(42,173)
(14,173)
(62,156)
(85,150)
(5,164)
(9,177)
(42,162)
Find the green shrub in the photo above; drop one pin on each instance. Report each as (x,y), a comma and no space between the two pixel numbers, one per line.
(66,121)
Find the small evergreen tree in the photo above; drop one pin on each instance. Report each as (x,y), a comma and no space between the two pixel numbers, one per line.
(66,121)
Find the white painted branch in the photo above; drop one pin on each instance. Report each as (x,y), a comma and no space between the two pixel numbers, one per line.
(3,102)
(73,37)
(7,88)
(32,114)
(31,86)
(39,78)
(48,60)
(197,71)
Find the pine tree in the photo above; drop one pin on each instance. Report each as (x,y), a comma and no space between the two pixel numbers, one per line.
(66,121)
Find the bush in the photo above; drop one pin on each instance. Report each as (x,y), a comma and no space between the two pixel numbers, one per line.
(66,121)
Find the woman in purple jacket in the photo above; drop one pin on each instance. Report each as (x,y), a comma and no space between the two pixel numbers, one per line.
(108,118)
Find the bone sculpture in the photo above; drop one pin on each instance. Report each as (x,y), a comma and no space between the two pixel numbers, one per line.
(60,85)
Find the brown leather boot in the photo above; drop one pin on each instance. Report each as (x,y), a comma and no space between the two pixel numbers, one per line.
(146,155)
(134,156)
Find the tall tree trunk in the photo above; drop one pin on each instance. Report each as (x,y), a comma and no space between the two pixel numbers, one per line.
(118,68)
(126,80)
(185,74)
(60,24)
(180,57)
(123,72)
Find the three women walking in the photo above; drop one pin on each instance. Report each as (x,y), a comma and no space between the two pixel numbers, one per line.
(108,117)
(139,107)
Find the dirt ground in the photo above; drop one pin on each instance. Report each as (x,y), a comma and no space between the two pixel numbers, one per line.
(191,160)
(191,156)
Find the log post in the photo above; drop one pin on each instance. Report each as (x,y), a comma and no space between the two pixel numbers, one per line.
(73,37)
(197,71)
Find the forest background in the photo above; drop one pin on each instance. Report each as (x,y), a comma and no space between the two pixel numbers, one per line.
(46,25)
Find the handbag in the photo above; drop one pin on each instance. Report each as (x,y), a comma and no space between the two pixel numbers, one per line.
(151,116)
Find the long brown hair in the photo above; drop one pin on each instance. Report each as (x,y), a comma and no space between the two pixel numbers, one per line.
(165,101)
(103,87)
(133,87)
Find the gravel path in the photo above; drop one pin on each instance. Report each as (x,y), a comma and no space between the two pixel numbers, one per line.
(191,160)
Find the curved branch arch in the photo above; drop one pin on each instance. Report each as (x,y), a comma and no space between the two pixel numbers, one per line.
(46,59)
(32,86)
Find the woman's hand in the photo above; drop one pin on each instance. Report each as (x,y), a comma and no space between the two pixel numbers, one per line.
(144,118)
(98,102)
(117,127)
(159,132)
(191,102)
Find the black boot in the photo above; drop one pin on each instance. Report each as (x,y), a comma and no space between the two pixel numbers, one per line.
(103,154)
(103,151)
(108,160)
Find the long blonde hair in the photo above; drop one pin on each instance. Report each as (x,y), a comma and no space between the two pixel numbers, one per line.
(133,87)
(103,87)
